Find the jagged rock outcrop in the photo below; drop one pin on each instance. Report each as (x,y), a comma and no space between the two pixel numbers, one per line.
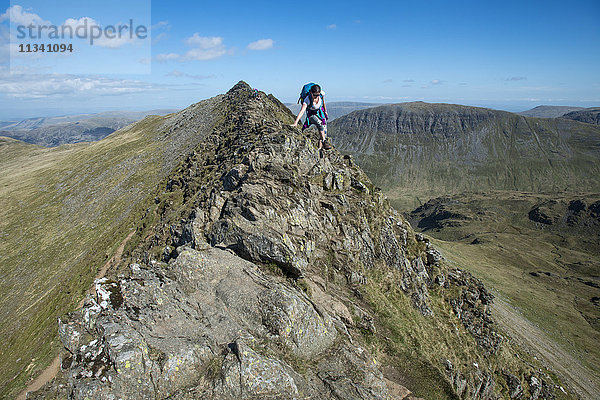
(204,326)
(250,282)
(471,307)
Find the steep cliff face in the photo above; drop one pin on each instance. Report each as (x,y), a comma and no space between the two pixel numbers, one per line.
(269,270)
(437,149)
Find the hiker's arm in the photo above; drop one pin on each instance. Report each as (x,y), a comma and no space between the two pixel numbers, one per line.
(325,109)
(302,110)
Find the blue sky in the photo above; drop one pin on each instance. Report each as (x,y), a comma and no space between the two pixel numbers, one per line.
(509,55)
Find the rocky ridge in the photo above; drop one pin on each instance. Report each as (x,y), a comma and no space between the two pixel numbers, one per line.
(249,282)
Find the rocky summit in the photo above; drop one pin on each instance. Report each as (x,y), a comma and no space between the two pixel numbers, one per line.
(267,269)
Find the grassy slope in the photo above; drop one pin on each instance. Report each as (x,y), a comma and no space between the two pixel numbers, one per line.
(511,247)
(64,212)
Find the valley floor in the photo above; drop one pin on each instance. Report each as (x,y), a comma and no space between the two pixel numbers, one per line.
(546,274)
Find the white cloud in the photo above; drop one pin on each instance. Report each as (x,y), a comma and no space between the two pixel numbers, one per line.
(516,78)
(115,43)
(101,37)
(159,37)
(204,42)
(76,23)
(262,44)
(35,86)
(332,26)
(436,82)
(161,25)
(204,54)
(4,44)
(76,27)
(18,16)
(204,48)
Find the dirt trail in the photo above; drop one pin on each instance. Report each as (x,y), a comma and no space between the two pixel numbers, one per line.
(560,361)
(50,372)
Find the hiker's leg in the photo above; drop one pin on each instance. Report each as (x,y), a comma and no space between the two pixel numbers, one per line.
(324,139)
(315,120)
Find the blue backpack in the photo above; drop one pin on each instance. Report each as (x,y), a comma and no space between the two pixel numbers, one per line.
(305,92)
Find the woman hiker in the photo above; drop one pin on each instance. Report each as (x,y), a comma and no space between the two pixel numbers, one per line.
(316,112)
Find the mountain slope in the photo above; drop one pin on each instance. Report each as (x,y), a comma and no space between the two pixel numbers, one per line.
(541,253)
(339,300)
(417,151)
(42,122)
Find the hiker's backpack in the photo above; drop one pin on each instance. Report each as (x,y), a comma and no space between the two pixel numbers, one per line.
(306,92)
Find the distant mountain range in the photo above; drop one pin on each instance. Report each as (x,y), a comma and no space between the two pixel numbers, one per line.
(54,131)
(417,151)
(338,109)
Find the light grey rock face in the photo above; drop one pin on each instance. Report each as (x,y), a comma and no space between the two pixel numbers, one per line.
(212,324)
(352,373)
(299,324)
